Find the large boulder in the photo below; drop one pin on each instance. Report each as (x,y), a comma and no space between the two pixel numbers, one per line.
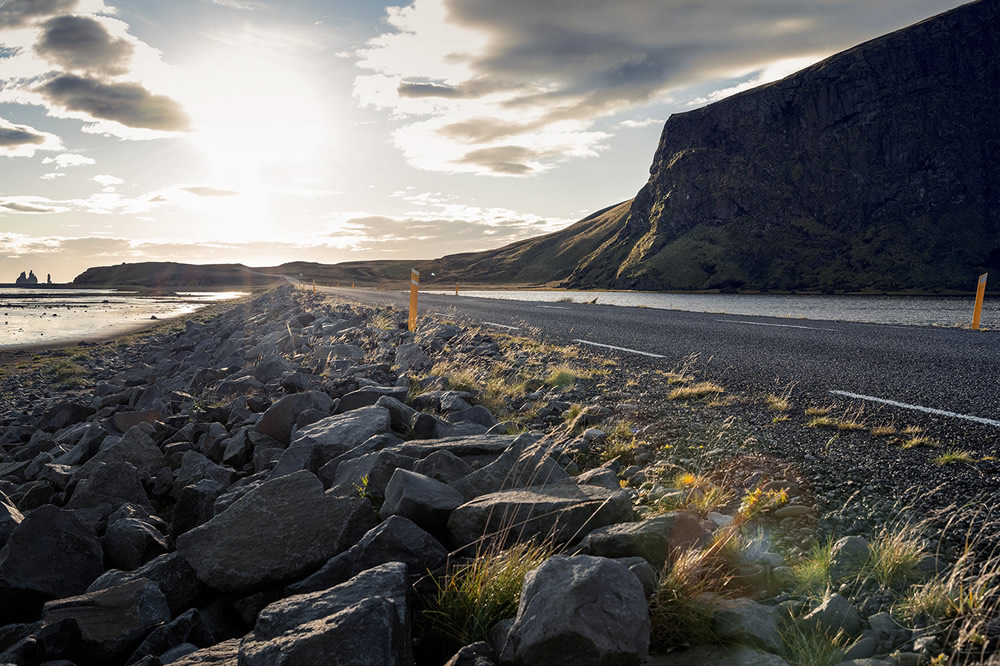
(284,528)
(526,463)
(48,556)
(410,357)
(112,622)
(396,539)
(175,577)
(561,513)
(579,610)
(748,622)
(321,442)
(424,500)
(365,620)
(129,543)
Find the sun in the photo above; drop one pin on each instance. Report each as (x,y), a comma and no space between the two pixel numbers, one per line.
(257,111)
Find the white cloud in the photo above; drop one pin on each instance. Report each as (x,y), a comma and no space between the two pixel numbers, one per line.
(52,176)
(645,122)
(106,180)
(67,160)
(25,141)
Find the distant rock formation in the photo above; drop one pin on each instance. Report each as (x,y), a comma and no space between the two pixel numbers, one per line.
(48,278)
(875,168)
(28,279)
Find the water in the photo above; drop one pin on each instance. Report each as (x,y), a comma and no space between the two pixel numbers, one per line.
(902,310)
(60,316)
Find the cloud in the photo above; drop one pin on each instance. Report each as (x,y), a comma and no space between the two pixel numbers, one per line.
(52,176)
(203,191)
(17,13)
(127,103)
(31,205)
(83,43)
(67,160)
(244,5)
(106,180)
(646,122)
(539,75)
(24,141)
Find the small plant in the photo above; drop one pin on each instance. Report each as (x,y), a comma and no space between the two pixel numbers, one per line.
(621,443)
(66,374)
(953,456)
(811,575)
(574,411)
(679,614)
(918,440)
(384,321)
(895,556)
(463,380)
(695,391)
(365,492)
(781,402)
(821,422)
(700,494)
(884,430)
(562,377)
(912,430)
(805,646)
(819,411)
(472,597)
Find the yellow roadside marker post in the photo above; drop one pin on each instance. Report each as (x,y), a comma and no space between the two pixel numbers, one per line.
(980,292)
(456,289)
(352,284)
(414,288)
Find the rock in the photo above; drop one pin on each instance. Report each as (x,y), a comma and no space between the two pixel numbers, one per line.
(599,476)
(425,501)
(400,415)
(129,543)
(112,621)
(328,438)
(746,621)
(560,512)
(832,615)
(847,556)
(195,506)
(196,467)
(125,421)
(397,539)
(410,357)
(103,487)
(65,414)
(72,556)
(10,518)
(271,368)
(476,654)
(296,528)
(278,420)
(363,621)
(642,570)
(169,636)
(478,415)
(524,464)
(444,466)
(174,576)
(653,539)
(863,648)
(580,610)
(346,351)
(737,655)
(791,511)
(369,395)
(225,653)
(370,472)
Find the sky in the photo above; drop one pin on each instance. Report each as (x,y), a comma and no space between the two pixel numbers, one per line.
(266,131)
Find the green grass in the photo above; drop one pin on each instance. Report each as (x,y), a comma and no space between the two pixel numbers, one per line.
(678,612)
(953,456)
(818,411)
(621,443)
(562,377)
(896,553)
(66,374)
(471,598)
(821,422)
(918,440)
(811,575)
(802,646)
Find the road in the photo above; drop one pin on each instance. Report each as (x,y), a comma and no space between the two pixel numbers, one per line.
(949,370)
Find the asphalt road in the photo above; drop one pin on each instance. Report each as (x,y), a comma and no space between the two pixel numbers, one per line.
(951,370)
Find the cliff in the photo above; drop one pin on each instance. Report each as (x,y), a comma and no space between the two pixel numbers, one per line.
(872,169)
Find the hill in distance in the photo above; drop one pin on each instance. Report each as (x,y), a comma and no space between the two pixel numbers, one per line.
(871,170)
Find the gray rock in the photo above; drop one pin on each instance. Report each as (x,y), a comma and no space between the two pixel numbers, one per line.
(169,636)
(476,654)
(278,420)
(129,543)
(425,501)
(478,414)
(653,539)
(71,554)
(321,442)
(371,471)
(397,539)
(746,621)
(195,506)
(642,570)
(863,648)
(271,368)
(717,655)
(138,446)
(563,512)
(125,421)
(410,357)
(832,615)
(106,486)
(10,518)
(847,556)
(196,467)
(225,653)
(114,620)
(346,351)
(599,476)
(400,415)
(174,576)
(296,528)
(362,621)
(369,395)
(523,465)
(444,466)
(580,610)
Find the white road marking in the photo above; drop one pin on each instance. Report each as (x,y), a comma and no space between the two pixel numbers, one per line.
(760,323)
(493,323)
(929,410)
(624,349)
(553,307)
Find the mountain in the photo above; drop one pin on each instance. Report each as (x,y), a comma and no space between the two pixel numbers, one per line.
(161,275)
(875,168)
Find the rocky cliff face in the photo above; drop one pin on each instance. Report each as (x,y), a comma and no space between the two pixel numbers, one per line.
(874,168)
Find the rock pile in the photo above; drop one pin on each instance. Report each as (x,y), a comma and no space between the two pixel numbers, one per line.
(259,490)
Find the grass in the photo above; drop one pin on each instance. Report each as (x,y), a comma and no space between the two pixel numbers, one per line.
(696,391)
(462,380)
(562,377)
(801,646)
(953,456)
(678,612)
(811,575)
(895,557)
(470,598)
(700,494)
(821,422)
(912,430)
(779,402)
(621,443)
(574,411)
(384,321)
(66,373)
(884,430)
(918,440)
(819,411)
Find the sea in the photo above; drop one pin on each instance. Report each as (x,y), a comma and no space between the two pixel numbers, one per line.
(52,316)
(947,311)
